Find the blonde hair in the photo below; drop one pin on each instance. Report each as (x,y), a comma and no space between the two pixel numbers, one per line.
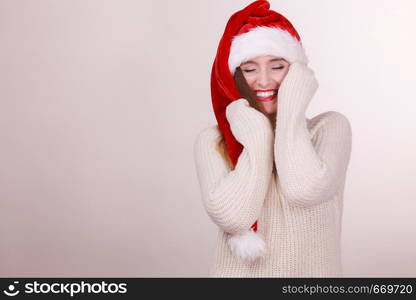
(222,149)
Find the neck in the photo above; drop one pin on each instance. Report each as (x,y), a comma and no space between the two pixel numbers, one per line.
(272,119)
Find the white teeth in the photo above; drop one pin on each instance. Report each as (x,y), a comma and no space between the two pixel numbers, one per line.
(265,94)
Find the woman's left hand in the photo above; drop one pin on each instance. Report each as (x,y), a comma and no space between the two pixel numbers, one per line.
(298,87)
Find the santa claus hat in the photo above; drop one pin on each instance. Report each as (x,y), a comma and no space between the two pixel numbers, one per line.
(265,40)
(253,31)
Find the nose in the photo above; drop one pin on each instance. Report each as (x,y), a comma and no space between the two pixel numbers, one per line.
(263,79)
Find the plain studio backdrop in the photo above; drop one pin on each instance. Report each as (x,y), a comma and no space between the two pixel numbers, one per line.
(101,102)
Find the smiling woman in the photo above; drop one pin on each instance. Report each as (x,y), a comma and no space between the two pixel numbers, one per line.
(271,180)
(263,75)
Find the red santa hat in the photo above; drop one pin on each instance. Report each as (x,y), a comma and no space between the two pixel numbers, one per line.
(253,31)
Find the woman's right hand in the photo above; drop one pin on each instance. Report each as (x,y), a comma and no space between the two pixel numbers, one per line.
(246,122)
(234,199)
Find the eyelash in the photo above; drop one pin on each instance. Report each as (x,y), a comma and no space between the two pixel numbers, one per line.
(251,70)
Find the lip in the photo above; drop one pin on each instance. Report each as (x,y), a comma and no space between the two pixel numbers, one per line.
(270,90)
(267,99)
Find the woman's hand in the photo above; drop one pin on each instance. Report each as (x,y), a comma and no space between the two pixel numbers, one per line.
(298,86)
(234,198)
(246,122)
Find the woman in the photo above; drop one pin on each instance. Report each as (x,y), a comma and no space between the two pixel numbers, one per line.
(271,179)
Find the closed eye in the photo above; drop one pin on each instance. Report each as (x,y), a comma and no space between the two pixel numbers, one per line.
(249,70)
(277,68)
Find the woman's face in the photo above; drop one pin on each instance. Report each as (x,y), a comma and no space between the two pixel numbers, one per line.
(264,75)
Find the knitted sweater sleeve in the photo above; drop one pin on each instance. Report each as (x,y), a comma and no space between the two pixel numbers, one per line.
(233,198)
(311,165)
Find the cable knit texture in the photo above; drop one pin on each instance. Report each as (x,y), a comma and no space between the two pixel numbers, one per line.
(299,211)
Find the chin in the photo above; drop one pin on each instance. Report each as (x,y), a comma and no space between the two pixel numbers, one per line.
(270,110)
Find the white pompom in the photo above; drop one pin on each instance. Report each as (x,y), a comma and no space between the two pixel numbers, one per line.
(248,246)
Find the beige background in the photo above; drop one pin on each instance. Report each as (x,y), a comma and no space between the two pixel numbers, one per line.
(100,105)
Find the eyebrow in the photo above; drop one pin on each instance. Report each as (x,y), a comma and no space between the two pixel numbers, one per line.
(253,62)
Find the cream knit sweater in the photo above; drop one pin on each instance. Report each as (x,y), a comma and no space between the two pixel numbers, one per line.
(299,211)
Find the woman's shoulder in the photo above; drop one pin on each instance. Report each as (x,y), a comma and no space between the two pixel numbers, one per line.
(329,120)
(207,139)
(209,134)
(209,146)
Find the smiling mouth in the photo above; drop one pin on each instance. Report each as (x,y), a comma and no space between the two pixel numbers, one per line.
(266,95)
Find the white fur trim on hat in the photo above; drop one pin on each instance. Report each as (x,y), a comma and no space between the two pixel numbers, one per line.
(248,246)
(264,40)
